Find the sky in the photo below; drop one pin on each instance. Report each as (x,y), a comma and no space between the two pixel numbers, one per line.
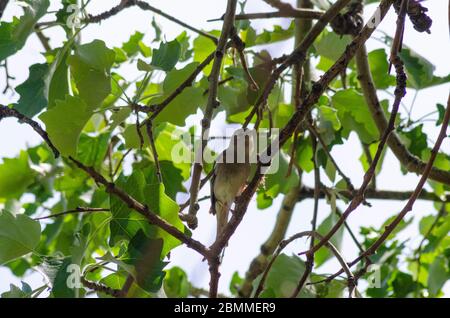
(257,224)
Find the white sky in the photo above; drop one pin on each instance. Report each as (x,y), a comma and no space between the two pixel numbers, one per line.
(256,225)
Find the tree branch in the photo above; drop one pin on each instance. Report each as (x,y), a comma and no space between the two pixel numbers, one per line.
(298,56)
(143,210)
(297,118)
(278,233)
(409,161)
(147,7)
(400,92)
(416,194)
(74,211)
(158,108)
(307,192)
(10,112)
(3,4)
(211,104)
(286,242)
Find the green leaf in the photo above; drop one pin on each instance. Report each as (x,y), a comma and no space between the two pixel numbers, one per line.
(184,104)
(416,140)
(57,78)
(118,86)
(90,66)
(176,284)
(330,45)
(365,161)
(438,274)
(167,56)
(425,224)
(67,276)
(32,91)
(169,144)
(418,69)
(186,52)
(119,116)
(144,67)
(328,116)
(172,178)
(16,292)
(235,283)
(323,254)
(234,100)
(276,183)
(403,284)
(132,46)
(275,35)
(181,107)
(305,155)
(203,47)
(126,222)
(19,235)
(379,66)
(15,176)
(64,123)
(441,112)
(263,201)
(283,278)
(400,227)
(333,289)
(328,123)
(160,203)
(145,254)
(13,35)
(355,115)
(157,29)
(92,150)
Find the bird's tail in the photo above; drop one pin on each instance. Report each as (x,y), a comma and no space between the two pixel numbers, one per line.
(222,211)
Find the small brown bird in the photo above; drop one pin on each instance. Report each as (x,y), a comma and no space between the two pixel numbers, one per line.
(231,172)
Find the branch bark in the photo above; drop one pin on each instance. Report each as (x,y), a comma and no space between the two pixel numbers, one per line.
(10,112)
(152,218)
(147,7)
(297,118)
(307,192)
(408,160)
(211,104)
(278,233)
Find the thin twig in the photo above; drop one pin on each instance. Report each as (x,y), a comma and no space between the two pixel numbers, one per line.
(297,14)
(400,92)
(154,152)
(298,56)
(74,211)
(408,160)
(158,108)
(119,164)
(145,6)
(239,45)
(10,112)
(309,264)
(259,263)
(416,194)
(8,77)
(101,288)
(347,180)
(286,242)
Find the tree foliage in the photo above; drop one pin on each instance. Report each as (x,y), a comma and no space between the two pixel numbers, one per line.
(104,209)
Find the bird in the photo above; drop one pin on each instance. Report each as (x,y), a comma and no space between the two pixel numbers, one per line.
(230,174)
